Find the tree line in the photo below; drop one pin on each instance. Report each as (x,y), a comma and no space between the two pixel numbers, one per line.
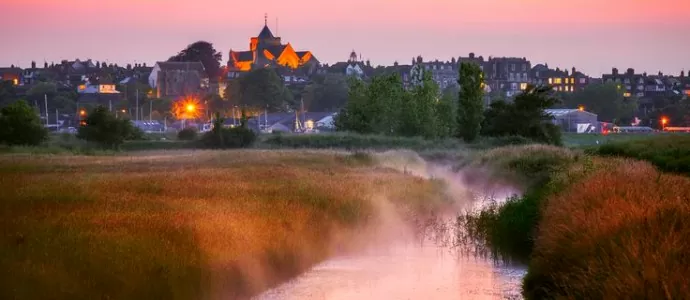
(385,106)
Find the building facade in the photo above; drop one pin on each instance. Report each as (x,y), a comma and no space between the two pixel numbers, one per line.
(175,79)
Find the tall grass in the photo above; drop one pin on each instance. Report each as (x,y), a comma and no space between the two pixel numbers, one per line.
(668,152)
(509,228)
(620,233)
(182,225)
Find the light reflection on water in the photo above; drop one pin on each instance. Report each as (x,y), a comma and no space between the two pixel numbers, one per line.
(404,272)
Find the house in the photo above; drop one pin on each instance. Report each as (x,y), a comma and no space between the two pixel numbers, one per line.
(574,120)
(104,94)
(178,79)
(12,74)
(632,84)
(560,80)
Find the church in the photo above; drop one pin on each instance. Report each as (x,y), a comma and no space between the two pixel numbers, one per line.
(267,50)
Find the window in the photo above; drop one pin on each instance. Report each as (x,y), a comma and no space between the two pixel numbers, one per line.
(583,80)
(560,88)
(626,94)
(627,80)
(512,67)
(524,75)
(523,86)
(640,87)
(550,80)
(572,80)
(517,76)
(524,67)
(558,80)
(511,76)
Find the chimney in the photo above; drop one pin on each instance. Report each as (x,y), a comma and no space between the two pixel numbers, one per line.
(614,71)
(33,64)
(661,74)
(574,71)
(682,74)
(631,71)
(472,55)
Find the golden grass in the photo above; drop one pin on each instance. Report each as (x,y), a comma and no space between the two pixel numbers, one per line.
(619,233)
(182,225)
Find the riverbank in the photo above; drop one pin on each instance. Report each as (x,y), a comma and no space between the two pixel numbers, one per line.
(186,225)
(591,226)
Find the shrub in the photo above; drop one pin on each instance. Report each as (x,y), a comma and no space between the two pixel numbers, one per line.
(187,134)
(621,233)
(105,129)
(220,137)
(19,125)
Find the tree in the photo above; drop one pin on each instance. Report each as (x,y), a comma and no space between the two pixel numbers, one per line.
(203,52)
(605,100)
(261,88)
(8,93)
(470,104)
(327,93)
(104,128)
(524,117)
(19,125)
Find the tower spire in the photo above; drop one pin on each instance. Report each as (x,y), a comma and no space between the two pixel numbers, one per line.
(265,19)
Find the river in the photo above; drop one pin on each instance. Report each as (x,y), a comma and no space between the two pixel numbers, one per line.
(401,265)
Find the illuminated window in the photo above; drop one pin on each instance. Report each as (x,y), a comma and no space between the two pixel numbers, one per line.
(550,80)
(626,94)
(558,80)
(560,88)
(523,86)
(572,80)
(15,81)
(309,124)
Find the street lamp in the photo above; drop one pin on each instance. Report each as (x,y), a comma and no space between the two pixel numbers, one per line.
(581,108)
(664,121)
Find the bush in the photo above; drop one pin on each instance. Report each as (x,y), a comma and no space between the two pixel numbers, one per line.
(220,137)
(105,129)
(19,125)
(187,134)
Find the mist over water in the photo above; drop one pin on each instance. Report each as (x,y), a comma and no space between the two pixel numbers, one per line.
(427,260)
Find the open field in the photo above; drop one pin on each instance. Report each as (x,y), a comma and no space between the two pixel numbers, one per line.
(185,224)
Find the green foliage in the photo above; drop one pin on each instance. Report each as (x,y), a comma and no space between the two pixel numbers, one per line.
(105,129)
(524,117)
(353,141)
(385,107)
(221,138)
(605,100)
(668,153)
(326,93)
(470,104)
(509,229)
(19,125)
(205,53)
(187,134)
(261,88)
(8,94)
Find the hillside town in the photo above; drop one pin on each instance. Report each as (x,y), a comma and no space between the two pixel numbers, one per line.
(63,92)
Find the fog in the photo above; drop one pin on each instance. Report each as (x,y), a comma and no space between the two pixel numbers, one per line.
(401,259)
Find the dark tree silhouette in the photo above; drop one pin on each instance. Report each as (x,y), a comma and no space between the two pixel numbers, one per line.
(203,52)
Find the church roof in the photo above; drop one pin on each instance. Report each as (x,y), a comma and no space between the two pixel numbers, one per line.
(266,33)
(301,53)
(242,55)
(276,50)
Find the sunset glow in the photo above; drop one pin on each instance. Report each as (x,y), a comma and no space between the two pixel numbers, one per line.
(632,33)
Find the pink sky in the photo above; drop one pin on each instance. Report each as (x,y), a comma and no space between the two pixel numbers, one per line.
(647,35)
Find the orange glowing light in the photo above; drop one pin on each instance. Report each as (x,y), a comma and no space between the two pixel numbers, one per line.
(581,108)
(664,120)
(188,108)
(82,112)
